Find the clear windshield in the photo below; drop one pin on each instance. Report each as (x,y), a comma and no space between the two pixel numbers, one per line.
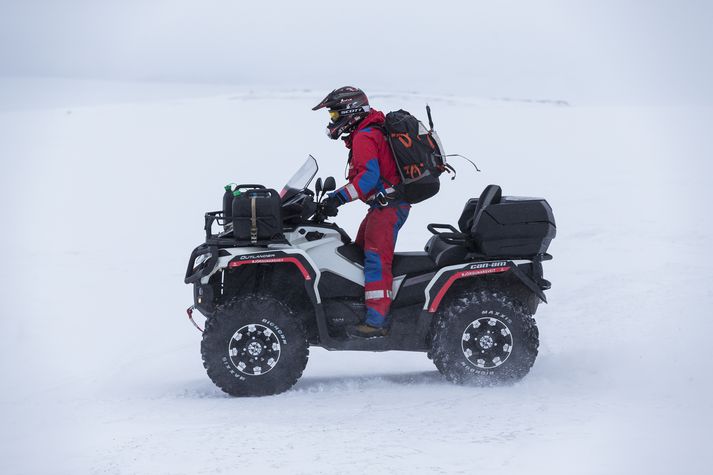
(302,178)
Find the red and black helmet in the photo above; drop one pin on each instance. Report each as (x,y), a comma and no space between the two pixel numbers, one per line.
(347,107)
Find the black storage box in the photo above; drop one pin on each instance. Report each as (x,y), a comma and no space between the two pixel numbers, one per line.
(509,227)
(256,216)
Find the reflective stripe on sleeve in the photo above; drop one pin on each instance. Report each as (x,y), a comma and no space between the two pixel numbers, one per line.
(351,191)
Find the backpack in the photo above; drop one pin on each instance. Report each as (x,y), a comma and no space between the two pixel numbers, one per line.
(418,153)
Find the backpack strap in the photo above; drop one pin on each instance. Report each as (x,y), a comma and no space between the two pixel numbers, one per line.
(382,197)
(386,136)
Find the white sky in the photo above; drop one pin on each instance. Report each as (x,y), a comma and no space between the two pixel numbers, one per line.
(602,51)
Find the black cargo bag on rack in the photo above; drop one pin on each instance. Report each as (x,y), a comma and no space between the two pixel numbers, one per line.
(418,155)
(256,216)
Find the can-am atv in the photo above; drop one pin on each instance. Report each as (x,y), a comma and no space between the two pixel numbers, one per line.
(277,278)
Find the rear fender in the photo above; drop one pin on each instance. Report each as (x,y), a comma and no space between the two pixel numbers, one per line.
(444,279)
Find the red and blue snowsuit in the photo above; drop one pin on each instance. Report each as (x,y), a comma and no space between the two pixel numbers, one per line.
(372,169)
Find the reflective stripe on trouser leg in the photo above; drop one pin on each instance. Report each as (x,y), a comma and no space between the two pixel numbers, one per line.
(377,308)
(379,231)
(378,294)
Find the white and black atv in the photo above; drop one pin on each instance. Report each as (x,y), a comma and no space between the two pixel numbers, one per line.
(278,277)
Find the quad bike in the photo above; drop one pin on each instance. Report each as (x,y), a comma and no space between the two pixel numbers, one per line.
(277,278)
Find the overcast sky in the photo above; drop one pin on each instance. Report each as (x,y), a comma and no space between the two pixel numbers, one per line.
(601,51)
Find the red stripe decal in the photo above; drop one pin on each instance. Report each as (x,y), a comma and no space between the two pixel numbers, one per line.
(293,260)
(459,275)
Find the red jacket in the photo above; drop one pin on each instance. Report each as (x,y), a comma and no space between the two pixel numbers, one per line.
(372,167)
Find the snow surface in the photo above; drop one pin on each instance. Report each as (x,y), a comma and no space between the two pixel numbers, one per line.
(102,199)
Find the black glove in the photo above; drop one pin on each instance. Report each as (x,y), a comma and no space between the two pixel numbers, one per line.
(330,205)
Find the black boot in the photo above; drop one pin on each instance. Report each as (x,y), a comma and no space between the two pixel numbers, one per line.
(367,331)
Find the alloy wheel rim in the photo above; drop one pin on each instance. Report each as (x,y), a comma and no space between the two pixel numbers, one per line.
(487,342)
(254,349)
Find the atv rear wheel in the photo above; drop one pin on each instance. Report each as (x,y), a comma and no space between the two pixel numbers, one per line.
(484,338)
(254,346)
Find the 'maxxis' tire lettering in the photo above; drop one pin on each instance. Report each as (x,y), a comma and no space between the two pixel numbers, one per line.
(495,313)
(231,370)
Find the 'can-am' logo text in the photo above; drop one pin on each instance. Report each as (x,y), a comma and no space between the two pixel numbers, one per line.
(488,265)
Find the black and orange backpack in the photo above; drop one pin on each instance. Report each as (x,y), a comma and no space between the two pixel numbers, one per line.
(418,153)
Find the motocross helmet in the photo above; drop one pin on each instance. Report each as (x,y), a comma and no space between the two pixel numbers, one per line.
(347,107)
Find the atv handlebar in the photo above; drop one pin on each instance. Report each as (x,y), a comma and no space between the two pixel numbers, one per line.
(319,215)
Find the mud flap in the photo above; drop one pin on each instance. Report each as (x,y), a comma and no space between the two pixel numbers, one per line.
(528,282)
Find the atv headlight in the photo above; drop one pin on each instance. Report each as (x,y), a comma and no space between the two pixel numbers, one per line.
(200,260)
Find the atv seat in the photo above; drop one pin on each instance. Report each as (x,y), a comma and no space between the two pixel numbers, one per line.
(404,262)
(449,248)
(444,253)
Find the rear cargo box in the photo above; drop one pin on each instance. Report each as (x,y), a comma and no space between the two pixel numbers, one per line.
(514,227)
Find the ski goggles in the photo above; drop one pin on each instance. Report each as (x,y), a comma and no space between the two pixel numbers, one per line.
(334,114)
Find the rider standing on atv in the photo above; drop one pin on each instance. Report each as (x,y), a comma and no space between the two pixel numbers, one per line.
(372,175)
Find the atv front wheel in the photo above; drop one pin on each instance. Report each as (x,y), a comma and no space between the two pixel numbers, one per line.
(484,338)
(254,346)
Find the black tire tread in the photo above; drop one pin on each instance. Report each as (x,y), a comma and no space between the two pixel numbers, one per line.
(454,308)
(227,311)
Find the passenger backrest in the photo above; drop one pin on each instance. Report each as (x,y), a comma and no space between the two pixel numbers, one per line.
(492,194)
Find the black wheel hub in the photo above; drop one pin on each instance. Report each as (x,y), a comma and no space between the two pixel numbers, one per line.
(254,349)
(487,342)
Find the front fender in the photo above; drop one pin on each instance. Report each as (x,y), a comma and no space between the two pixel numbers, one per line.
(237,257)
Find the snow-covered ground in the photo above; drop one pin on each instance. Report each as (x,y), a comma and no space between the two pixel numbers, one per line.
(102,200)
